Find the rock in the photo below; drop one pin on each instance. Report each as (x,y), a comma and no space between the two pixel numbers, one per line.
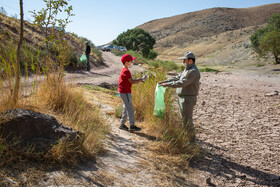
(274,93)
(203,103)
(208,181)
(108,86)
(36,129)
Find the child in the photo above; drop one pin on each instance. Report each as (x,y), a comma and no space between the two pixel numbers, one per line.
(125,84)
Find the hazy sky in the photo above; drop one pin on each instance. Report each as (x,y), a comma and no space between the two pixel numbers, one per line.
(102,21)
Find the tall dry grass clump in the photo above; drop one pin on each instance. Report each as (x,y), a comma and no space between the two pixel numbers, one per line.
(48,93)
(174,139)
(61,98)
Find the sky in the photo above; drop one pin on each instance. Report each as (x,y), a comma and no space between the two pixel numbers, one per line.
(101,21)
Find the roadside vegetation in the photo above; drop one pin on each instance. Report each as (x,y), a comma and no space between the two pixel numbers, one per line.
(157,64)
(137,40)
(267,40)
(42,88)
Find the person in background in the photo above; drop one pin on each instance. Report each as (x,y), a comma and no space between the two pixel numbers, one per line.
(125,84)
(187,84)
(87,52)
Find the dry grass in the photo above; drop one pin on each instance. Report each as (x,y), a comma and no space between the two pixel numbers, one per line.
(51,95)
(76,111)
(57,98)
(172,137)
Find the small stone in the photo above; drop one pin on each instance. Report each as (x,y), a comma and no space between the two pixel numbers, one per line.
(208,181)
(274,93)
(243,177)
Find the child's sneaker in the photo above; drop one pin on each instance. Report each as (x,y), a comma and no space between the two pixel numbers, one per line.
(134,128)
(123,127)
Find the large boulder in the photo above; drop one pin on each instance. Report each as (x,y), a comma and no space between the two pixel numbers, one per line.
(36,129)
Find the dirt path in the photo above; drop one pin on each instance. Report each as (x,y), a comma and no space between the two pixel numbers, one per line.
(238,129)
(124,158)
(110,73)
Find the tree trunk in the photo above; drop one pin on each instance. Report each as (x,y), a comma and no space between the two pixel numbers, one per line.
(277,59)
(17,65)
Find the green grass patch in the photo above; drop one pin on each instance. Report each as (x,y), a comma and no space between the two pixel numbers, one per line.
(165,65)
(206,69)
(100,89)
(260,64)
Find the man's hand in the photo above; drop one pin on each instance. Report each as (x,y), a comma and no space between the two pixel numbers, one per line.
(144,78)
(163,84)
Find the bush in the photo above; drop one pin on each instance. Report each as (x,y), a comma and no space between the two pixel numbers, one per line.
(208,70)
(166,65)
(118,52)
(152,54)
(136,39)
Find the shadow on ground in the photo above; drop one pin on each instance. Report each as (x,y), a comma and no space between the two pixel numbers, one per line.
(218,166)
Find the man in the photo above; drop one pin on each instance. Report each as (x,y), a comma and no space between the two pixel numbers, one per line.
(87,52)
(125,84)
(187,84)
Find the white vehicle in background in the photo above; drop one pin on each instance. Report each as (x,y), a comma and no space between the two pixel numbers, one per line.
(122,48)
(107,48)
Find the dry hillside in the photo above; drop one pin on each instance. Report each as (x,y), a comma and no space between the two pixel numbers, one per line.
(34,37)
(220,35)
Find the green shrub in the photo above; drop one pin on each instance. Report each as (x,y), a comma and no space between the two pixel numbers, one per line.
(119,111)
(117,52)
(152,54)
(208,70)
(166,65)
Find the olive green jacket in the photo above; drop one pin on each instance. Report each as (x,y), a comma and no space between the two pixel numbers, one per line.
(187,83)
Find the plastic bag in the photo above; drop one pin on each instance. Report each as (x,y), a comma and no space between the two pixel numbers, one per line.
(159,109)
(83,59)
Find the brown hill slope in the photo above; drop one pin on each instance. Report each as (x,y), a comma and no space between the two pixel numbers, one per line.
(208,32)
(34,38)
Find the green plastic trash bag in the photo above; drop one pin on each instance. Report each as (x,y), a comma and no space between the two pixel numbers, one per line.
(159,109)
(83,59)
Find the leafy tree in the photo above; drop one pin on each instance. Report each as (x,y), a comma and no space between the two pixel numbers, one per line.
(3,11)
(14,16)
(137,40)
(255,40)
(270,42)
(49,17)
(267,39)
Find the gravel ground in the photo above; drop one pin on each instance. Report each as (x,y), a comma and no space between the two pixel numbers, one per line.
(238,129)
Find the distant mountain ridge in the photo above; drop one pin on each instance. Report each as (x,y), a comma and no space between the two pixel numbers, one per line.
(191,29)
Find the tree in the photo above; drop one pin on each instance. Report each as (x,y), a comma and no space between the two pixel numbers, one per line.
(17,66)
(48,17)
(270,42)
(3,11)
(137,40)
(267,39)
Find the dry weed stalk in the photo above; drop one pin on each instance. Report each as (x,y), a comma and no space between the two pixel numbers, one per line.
(174,138)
